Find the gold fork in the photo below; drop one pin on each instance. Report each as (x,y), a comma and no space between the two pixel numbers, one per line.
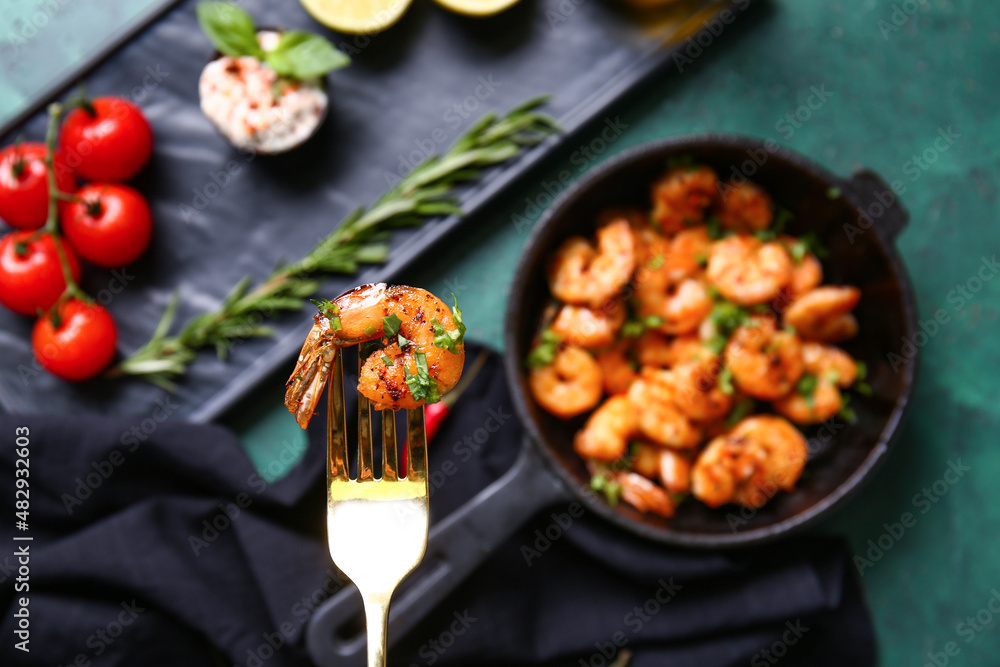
(377,528)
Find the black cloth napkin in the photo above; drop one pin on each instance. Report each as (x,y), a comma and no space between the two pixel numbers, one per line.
(157,543)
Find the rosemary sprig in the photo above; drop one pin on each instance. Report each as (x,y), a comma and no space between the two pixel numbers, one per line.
(425,192)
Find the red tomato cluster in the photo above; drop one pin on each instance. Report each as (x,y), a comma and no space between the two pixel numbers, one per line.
(105,222)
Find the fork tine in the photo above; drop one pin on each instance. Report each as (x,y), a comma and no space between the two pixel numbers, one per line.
(416,445)
(366,460)
(336,427)
(389,465)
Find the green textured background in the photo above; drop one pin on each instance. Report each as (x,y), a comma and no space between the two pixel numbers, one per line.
(897,74)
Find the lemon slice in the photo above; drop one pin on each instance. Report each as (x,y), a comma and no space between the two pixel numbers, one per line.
(356,16)
(477,7)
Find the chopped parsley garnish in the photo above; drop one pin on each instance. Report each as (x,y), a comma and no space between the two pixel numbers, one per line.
(743,407)
(726,381)
(814,245)
(714,228)
(422,386)
(386,360)
(652,321)
(626,461)
(391,324)
(807,387)
(833,377)
(330,311)
(701,258)
(370,330)
(450,340)
(680,161)
(717,343)
(656,262)
(846,412)
(727,317)
(781,220)
(602,483)
(860,384)
(633,328)
(797,250)
(545,352)
(403,342)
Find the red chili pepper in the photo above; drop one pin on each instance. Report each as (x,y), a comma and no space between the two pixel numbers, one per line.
(434,415)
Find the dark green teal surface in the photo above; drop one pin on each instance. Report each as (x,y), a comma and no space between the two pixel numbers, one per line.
(889,93)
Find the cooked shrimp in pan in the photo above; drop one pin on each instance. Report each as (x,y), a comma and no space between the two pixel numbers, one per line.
(590,327)
(581,274)
(765,361)
(677,307)
(824,314)
(617,371)
(744,207)
(748,271)
(681,197)
(686,319)
(422,361)
(644,495)
(828,370)
(748,466)
(654,398)
(607,432)
(570,385)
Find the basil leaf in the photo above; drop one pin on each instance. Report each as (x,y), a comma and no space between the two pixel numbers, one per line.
(229,28)
(726,381)
(391,324)
(545,352)
(304,55)
(450,340)
(422,385)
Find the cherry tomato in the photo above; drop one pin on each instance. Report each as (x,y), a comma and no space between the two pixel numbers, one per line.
(75,342)
(24,188)
(31,276)
(107,140)
(110,226)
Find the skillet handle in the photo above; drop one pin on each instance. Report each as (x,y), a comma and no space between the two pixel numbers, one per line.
(880,204)
(456,546)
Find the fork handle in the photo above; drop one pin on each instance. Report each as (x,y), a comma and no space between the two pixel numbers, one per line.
(377,622)
(455,548)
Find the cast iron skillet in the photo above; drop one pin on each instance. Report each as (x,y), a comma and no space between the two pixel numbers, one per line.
(857,219)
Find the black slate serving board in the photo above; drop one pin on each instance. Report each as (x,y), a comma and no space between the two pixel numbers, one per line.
(221,215)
